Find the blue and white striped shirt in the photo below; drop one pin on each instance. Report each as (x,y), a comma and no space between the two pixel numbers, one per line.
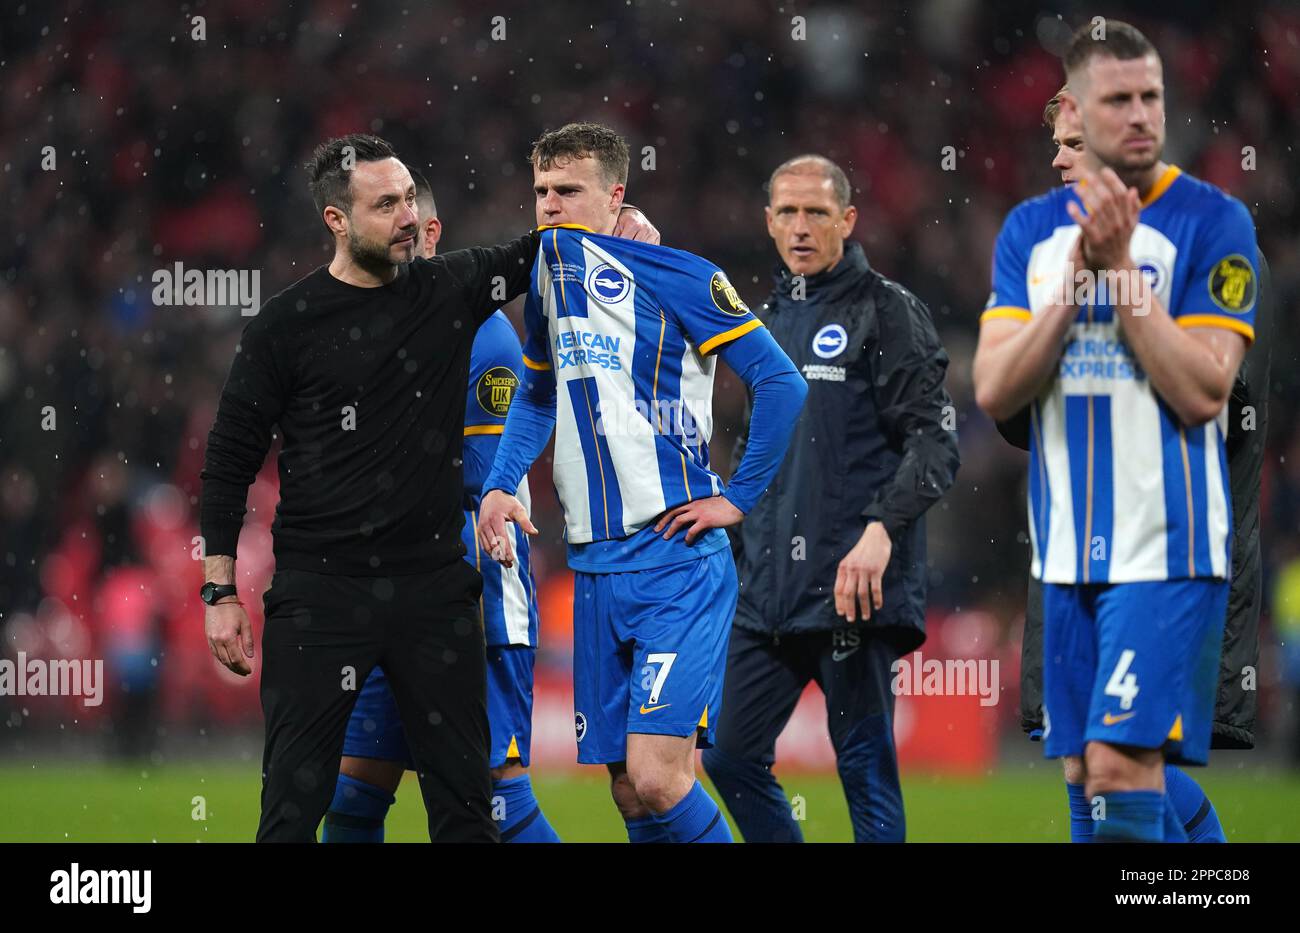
(509,601)
(628,329)
(1119,490)
(619,348)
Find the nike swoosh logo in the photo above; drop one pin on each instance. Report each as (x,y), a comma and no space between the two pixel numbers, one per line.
(645,709)
(1109,720)
(838,655)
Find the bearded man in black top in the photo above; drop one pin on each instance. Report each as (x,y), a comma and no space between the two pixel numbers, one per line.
(363,365)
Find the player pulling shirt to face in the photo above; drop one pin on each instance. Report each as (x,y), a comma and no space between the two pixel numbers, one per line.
(620,353)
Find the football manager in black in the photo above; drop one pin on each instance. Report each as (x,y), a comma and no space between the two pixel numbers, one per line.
(832,560)
(363,365)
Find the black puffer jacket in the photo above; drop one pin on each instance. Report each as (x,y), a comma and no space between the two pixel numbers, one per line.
(876,442)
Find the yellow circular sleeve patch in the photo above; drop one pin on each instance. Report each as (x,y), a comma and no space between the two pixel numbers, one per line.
(1232,284)
(495,390)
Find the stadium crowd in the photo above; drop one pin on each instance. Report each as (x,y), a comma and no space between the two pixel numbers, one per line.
(165,148)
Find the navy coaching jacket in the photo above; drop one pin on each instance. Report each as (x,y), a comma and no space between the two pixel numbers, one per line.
(872,444)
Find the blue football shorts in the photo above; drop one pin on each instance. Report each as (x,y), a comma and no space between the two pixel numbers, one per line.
(1132,664)
(649,653)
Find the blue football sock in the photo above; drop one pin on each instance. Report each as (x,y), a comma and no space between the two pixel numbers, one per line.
(1082,827)
(1195,812)
(523,818)
(357,812)
(646,830)
(695,818)
(1132,816)
(755,799)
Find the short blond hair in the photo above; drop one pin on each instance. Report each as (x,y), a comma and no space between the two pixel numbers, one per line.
(581,141)
(1053,109)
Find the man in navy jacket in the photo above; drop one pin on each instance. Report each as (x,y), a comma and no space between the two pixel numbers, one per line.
(832,560)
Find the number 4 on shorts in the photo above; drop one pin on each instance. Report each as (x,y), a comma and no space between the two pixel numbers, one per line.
(665,660)
(1122,683)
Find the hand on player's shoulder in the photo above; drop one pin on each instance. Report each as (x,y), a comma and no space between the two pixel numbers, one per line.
(634,225)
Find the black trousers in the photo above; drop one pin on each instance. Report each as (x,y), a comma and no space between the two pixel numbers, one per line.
(324,633)
(764,681)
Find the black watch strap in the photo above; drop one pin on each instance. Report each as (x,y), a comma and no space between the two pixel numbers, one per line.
(211,592)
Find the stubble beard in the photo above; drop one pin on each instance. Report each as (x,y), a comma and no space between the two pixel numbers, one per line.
(1132,171)
(373,257)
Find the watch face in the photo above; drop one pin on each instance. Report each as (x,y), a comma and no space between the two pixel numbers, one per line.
(206,592)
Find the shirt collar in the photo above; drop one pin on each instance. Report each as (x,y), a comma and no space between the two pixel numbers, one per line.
(565,227)
(1162,185)
(851,267)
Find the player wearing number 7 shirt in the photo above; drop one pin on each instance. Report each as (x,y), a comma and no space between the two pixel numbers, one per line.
(620,349)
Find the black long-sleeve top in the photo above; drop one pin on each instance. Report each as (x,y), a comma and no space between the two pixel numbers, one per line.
(367,386)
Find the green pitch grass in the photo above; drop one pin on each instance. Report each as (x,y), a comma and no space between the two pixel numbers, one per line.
(99,804)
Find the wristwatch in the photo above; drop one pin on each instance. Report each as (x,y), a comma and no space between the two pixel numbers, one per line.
(211,592)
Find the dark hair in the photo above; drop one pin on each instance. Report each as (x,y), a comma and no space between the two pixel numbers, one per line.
(819,163)
(581,141)
(1053,109)
(1118,40)
(423,193)
(330,182)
